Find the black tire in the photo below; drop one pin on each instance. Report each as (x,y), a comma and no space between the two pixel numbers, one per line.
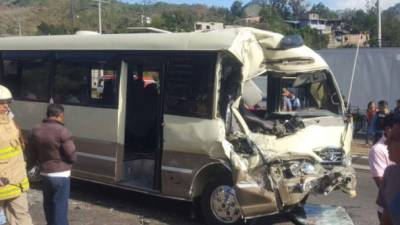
(209,217)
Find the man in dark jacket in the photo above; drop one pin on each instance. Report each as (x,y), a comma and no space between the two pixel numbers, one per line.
(51,145)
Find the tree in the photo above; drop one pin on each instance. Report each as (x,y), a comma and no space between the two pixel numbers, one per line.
(272,20)
(178,20)
(359,21)
(312,38)
(290,9)
(236,9)
(49,29)
(391,27)
(298,8)
(281,6)
(323,11)
(28,2)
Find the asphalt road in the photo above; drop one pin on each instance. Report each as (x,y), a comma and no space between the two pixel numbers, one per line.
(101,205)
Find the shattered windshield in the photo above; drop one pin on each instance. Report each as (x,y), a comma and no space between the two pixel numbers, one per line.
(303,95)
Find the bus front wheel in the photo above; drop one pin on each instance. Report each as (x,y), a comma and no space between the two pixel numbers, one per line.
(219,204)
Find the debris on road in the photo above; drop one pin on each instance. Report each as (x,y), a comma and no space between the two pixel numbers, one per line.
(323,215)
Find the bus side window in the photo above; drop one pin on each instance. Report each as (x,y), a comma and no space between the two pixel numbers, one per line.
(35,80)
(103,86)
(85,83)
(189,85)
(27,79)
(10,76)
(71,83)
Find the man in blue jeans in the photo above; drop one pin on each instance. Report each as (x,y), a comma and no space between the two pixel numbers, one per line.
(51,145)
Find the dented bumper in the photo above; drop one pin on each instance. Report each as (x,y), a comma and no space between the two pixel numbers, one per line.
(269,186)
(293,189)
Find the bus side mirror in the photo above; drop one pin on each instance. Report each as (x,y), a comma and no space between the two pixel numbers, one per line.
(335,99)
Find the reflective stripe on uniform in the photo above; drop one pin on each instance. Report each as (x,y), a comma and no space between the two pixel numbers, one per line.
(14,190)
(10,152)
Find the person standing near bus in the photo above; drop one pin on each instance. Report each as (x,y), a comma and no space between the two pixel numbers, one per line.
(389,195)
(13,177)
(52,146)
(379,157)
(396,110)
(371,111)
(383,111)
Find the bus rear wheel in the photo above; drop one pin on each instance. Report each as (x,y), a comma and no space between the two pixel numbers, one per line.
(219,204)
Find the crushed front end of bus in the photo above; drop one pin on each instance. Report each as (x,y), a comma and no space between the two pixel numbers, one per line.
(280,156)
(286,134)
(267,183)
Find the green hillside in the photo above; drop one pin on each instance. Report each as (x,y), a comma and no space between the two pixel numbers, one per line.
(52,17)
(36,17)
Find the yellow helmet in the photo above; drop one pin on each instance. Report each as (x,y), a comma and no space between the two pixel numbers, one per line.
(5,94)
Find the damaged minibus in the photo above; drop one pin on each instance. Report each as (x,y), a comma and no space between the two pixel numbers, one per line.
(199,117)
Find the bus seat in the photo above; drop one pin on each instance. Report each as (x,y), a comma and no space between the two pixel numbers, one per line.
(108,92)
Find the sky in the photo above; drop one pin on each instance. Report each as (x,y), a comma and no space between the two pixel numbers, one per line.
(333,4)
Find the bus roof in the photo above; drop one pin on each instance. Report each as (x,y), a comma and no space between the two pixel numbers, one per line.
(248,45)
(197,41)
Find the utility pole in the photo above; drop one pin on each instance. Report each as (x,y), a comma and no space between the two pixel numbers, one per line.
(143,17)
(379,24)
(99,2)
(270,9)
(72,14)
(19,28)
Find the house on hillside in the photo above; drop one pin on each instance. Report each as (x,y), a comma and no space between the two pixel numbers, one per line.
(249,20)
(315,22)
(206,26)
(343,38)
(338,37)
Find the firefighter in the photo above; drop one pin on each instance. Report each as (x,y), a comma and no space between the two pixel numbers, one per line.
(13,177)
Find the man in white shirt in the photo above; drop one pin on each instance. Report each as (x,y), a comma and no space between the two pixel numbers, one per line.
(379,156)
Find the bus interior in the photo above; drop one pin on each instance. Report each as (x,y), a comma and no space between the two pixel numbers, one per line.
(143,126)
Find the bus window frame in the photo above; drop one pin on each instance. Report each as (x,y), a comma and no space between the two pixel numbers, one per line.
(52,73)
(20,61)
(163,57)
(211,83)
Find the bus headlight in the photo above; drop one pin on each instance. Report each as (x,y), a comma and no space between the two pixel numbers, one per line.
(308,168)
(301,168)
(295,169)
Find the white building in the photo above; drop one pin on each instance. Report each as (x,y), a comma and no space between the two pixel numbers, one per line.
(204,26)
